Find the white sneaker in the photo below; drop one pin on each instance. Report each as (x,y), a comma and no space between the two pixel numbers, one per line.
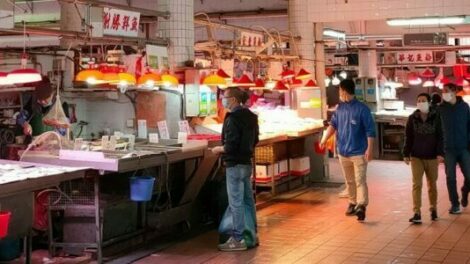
(344,194)
(233,245)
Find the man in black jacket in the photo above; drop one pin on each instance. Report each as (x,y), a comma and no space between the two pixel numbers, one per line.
(455,117)
(423,147)
(239,137)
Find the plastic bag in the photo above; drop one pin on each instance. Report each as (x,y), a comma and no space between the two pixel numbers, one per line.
(56,116)
(226,227)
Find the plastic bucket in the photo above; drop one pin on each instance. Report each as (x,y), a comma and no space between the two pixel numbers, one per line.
(4,221)
(142,188)
(319,149)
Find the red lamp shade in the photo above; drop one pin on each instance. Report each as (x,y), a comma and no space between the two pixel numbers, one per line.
(223,74)
(303,74)
(297,82)
(280,87)
(259,85)
(461,82)
(244,81)
(24,76)
(4,79)
(460,70)
(311,83)
(428,74)
(413,79)
(287,74)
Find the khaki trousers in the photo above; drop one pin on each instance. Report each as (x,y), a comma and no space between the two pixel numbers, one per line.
(418,168)
(354,171)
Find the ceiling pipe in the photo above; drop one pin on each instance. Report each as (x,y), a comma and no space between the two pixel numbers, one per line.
(256,14)
(84,37)
(96,3)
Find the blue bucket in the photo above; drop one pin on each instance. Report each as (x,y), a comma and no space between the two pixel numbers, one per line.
(142,188)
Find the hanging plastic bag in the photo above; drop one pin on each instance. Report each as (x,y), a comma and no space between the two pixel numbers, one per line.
(56,116)
(249,234)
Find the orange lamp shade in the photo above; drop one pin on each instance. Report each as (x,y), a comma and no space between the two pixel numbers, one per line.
(214,80)
(303,74)
(126,78)
(149,79)
(24,76)
(89,76)
(112,78)
(169,80)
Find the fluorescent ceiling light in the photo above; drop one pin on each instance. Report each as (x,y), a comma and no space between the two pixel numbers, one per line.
(426,21)
(334,33)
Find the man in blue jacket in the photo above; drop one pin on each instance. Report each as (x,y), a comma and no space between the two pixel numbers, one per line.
(355,132)
(455,118)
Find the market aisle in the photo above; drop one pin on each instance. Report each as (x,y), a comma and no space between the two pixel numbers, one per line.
(312,228)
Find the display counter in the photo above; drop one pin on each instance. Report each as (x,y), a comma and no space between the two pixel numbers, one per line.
(180,171)
(18,182)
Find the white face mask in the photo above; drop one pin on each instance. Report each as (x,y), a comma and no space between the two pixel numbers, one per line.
(447,97)
(423,107)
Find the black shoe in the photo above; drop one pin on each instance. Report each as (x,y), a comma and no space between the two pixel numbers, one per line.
(351,210)
(464,197)
(434,216)
(361,213)
(416,219)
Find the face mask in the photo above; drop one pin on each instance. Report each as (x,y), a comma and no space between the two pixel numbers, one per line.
(447,97)
(423,107)
(225,103)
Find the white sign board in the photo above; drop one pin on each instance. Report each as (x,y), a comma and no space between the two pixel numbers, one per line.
(184,126)
(118,22)
(163,130)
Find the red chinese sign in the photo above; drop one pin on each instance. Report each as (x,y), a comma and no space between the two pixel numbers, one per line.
(415,57)
(120,22)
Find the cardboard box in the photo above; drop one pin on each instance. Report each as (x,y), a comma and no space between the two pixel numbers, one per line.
(265,173)
(299,166)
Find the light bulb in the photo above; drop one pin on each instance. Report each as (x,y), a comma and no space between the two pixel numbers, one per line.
(343,74)
(336,81)
(327,81)
(91,80)
(150,83)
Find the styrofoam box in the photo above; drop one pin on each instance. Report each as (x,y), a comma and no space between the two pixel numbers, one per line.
(299,166)
(265,173)
(284,168)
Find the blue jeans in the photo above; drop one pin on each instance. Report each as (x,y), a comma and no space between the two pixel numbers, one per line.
(451,161)
(240,197)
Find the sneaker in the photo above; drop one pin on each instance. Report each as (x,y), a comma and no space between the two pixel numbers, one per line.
(344,193)
(351,210)
(416,219)
(464,197)
(455,210)
(361,213)
(233,245)
(434,216)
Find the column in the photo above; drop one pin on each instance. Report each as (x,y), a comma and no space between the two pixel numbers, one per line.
(179,29)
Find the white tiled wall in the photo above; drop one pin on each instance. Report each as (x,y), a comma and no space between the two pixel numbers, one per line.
(179,29)
(338,10)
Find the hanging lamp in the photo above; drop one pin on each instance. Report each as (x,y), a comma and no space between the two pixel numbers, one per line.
(343,75)
(327,81)
(4,79)
(126,79)
(169,80)
(414,79)
(244,81)
(223,74)
(311,83)
(303,74)
(111,78)
(428,73)
(461,82)
(24,75)
(280,87)
(287,74)
(335,81)
(259,85)
(89,76)
(149,80)
(214,80)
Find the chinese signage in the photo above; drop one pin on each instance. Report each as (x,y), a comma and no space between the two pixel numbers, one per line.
(415,57)
(251,39)
(120,22)
(425,39)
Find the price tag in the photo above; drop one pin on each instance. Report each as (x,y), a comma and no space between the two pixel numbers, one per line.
(182,137)
(184,126)
(163,130)
(142,128)
(153,138)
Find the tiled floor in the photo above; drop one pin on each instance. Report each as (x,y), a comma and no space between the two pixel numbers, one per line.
(312,228)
